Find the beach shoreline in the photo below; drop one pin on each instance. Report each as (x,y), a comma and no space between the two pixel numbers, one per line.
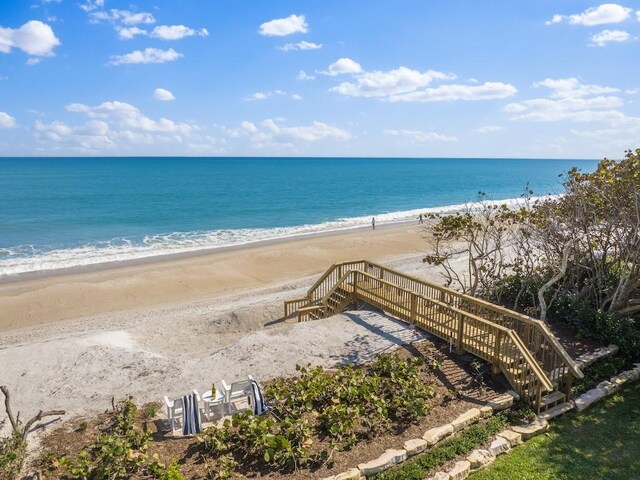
(41,298)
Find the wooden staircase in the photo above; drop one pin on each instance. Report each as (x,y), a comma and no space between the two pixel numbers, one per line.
(523,349)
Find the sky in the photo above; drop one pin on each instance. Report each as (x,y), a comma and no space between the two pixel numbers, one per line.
(390,78)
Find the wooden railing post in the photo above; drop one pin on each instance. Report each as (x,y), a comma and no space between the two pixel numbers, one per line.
(414,304)
(567,386)
(495,367)
(459,349)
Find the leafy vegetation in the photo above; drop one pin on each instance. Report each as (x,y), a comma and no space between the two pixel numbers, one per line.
(601,443)
(420,466)
(12,453)
(572,258)
(117,454)
(317,413)
(603,369)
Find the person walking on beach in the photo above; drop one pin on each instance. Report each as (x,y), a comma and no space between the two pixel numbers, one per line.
(420,220)
(373,223)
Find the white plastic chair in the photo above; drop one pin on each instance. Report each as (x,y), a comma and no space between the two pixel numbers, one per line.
(175,410)
(239,391)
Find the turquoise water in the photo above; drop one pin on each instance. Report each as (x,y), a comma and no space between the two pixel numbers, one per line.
(60,212)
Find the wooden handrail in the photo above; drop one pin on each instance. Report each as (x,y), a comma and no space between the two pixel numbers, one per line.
(327,274)
(538,324)
(337,285)
(526,354)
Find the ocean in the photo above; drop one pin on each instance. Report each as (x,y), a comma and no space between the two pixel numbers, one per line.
(66,212)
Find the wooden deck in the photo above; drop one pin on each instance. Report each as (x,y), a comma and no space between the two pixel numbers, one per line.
(520,347)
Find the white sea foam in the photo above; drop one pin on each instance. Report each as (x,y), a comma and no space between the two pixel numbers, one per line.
(27,258)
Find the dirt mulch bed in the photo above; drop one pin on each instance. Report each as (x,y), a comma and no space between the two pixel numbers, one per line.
(571,341)
(460,383)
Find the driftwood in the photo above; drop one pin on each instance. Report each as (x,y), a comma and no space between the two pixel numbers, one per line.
(22,432)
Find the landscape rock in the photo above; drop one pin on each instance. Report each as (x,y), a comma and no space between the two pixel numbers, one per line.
(588,358)
(467,418)
(440,476)
(480,458)
(501,403)
(499,446)
(460,470)
(514,394)
(351,474)
(532,429)
(387,459)
(510,436)
(415,446)
(486,411)
(434,435)
(589,397)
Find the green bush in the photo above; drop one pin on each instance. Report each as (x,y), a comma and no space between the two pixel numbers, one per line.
(603,369)
(342,408)
(119,453)
(12,454)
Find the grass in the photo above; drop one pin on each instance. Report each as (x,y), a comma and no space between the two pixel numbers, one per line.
(602,443)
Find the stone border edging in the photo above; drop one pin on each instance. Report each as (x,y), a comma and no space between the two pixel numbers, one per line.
(479,459)
(431,437)
(587,359)
(503,441)
(606,388)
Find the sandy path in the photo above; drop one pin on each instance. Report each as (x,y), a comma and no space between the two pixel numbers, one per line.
(80,373)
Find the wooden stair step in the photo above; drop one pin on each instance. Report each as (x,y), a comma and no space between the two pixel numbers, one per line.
(550,398)
(557,410)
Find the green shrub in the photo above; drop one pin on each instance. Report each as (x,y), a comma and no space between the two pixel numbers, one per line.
(600,370)
(117,454)
(341,407)
(12,454)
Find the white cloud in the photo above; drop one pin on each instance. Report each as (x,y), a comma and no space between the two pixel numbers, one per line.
(123,17)
(573,109)
(6,120)
(600,15)
(176,32)
(270,132)
(570,100)
(129,116)
(392,82)
(163,95)
(91,5)
(490,129)
(281,27)
(572,87)
(127,33)
(116,127)
(295,96)
(263,95)
(608,36)
(148,55)
(406,85)
(302,75)
(420,136)
(453,92)
(303,45)
(33,38)
(342,66)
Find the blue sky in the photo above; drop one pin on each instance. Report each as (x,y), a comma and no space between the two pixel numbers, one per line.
(541,79)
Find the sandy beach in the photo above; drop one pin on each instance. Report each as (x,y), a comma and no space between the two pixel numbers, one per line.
(75,340)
